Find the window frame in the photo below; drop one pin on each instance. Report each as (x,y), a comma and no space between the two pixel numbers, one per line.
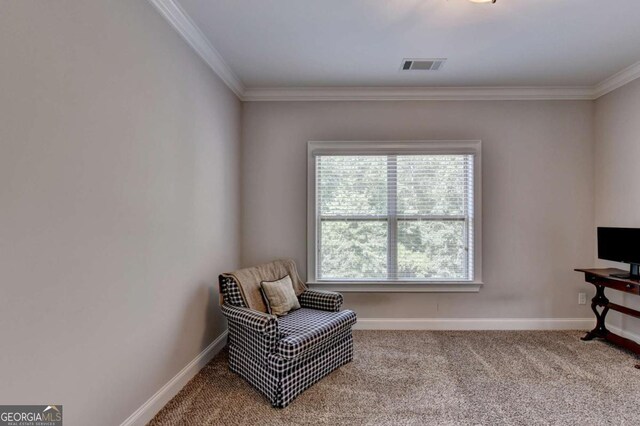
(426,147)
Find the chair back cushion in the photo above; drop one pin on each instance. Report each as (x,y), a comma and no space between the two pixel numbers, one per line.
(249,280)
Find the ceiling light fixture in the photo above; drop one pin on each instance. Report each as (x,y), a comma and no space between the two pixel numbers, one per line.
(483,1)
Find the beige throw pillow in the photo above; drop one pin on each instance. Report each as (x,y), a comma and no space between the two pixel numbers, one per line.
(279,296)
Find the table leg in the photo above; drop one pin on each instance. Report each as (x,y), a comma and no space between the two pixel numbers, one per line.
(598,300)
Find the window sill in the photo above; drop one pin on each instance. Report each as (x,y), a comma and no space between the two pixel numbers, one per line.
(398,287)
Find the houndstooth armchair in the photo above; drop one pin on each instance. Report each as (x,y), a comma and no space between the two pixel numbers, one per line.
(283,356)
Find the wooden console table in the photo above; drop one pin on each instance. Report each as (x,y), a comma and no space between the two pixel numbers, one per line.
(601,279)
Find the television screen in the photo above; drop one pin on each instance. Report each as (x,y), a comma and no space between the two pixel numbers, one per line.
(619,244)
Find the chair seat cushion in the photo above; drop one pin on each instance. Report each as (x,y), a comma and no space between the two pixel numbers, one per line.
(304,329)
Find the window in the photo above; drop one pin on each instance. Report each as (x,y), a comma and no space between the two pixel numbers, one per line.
(400,214)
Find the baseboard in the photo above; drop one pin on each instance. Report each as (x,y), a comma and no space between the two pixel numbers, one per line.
(154,404)
(475,324)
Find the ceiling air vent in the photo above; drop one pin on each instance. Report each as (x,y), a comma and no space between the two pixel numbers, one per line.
(422,64)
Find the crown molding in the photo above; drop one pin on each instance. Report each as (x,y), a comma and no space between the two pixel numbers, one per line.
(617,80)
(183,24)
(416,93)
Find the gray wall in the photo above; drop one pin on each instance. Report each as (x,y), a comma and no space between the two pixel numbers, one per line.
(121,185)
(537,195)
(119,204)
(617,197)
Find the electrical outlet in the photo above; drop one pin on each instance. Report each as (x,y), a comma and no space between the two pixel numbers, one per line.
(582,298)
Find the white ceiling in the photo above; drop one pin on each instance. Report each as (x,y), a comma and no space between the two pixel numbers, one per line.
(302,43)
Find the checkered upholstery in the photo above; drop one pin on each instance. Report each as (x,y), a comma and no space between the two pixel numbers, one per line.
(318,299)
(283,356)
(304,329)
(259,322)
(296,380)
(231,292)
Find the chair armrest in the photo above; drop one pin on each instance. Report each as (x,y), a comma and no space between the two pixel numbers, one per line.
(254,320)
(321,299)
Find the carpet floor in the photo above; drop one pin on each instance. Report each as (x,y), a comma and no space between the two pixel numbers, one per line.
(436,378)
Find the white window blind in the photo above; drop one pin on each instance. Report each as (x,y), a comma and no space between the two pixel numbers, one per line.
(394,217)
